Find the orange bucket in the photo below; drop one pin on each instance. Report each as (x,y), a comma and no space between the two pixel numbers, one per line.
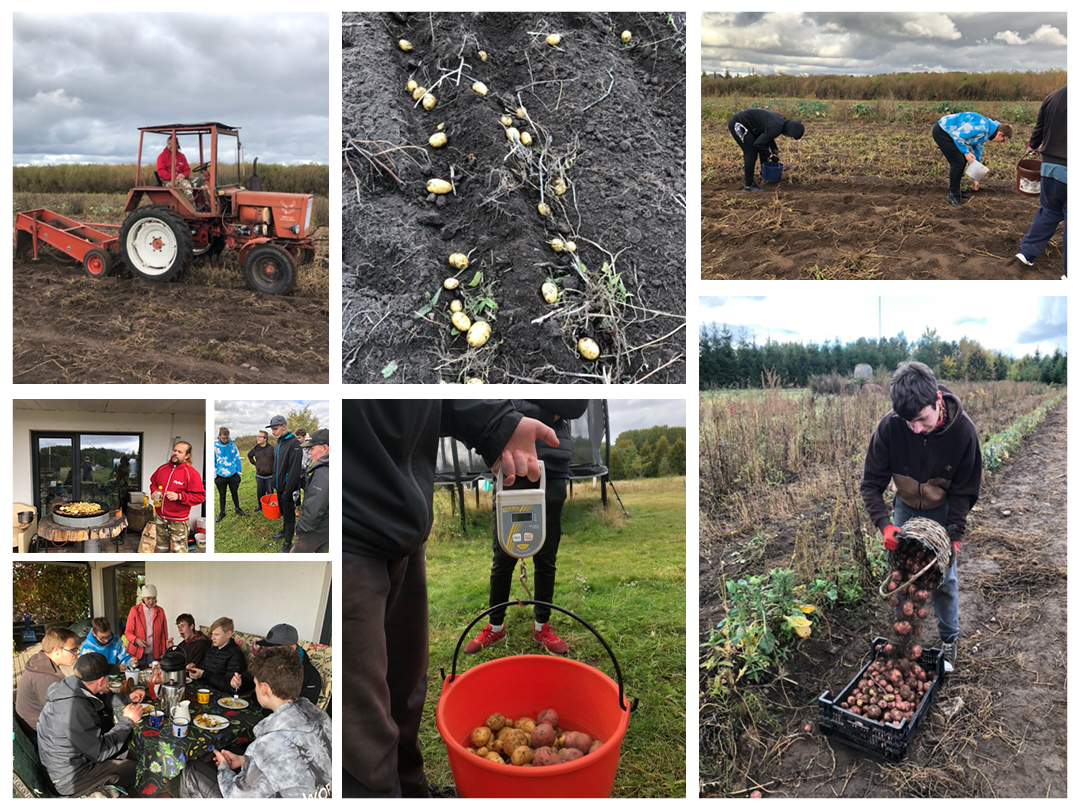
(270,507)
(524,685)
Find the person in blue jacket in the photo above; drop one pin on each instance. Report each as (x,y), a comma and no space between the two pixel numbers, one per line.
(227,471)
(961,137)
(756,131)
(100,639)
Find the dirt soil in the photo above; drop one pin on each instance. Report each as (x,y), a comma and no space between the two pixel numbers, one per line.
(69,328)
(868,230)
(998,725)
(616,119)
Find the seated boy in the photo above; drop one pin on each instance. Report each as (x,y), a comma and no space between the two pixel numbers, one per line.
(100,639)
(223,662)
(290,756)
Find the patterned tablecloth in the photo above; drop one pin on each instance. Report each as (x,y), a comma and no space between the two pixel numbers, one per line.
(159,756)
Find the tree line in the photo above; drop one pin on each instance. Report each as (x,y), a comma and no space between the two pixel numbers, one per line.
(956,85)
(727,360)
(654,452)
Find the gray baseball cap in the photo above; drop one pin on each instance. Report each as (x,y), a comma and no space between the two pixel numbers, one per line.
(277,421)
(280,635)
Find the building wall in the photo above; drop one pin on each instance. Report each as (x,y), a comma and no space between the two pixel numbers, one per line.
(159,433)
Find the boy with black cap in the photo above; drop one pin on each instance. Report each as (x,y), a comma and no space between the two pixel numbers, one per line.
(313,526)
(78,744)
(288,460)
(285,635)
(756,131)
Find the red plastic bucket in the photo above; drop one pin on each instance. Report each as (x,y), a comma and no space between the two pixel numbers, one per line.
(524,685)
(1028,175)
(270,507)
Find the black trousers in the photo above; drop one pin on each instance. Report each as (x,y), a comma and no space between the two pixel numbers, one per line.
(288,514)
(263,486)
(233,483)
(385,614)
(503,565)
(957,161)
(745,139)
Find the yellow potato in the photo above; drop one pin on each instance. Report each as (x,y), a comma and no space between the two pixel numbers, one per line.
(480,88)
(474,381)
(625,37)
(571,246)
(428,101)
(512,134)
(437,186)
(405,45)
(588,348)
(437,140)
(554,39)
(551,295)
(459,261)
(482,55)
(478,335)
(543,209)
(480,737)
(557,244)
(559,186)
(455,306)
(526,139)
(506,120)
(451,283)
(412,85)
(461,321)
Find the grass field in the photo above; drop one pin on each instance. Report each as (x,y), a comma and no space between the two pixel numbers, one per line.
(250,533)
(625,576)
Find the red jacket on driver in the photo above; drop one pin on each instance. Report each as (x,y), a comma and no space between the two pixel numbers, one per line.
(164,165)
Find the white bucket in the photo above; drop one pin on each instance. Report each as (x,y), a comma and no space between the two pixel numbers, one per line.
(200,540)
(976,171)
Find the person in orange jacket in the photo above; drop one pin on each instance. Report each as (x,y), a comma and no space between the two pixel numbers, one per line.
(146,630)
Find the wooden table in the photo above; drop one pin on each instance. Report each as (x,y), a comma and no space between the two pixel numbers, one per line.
(111,531)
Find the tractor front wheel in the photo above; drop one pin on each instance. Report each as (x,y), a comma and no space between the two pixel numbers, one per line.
(156,243)
(98,262)
(270,269)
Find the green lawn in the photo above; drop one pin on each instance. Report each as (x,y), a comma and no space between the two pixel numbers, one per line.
(249,533)
(625,576)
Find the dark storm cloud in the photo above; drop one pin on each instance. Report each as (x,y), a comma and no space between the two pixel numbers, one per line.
(83,84)
(866,43)
(1051,324)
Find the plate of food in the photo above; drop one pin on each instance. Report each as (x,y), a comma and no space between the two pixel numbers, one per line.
(232,703)
(211,722)
(80,509)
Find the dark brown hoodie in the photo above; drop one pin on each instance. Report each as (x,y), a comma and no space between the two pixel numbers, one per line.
(928,469)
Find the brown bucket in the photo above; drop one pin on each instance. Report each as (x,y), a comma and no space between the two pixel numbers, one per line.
(1028,179)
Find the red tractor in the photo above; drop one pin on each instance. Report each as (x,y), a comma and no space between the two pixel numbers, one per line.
(169,223)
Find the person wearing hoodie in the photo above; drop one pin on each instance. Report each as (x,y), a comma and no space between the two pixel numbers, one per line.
(261,457)
(288,468)
(389,463)
(285,635)
(291,754)
(961,137)
(756,131)
(192,642)
(175,487)
(101,639)
(227,472)
(147,628)
(313,525)
(59,647)
(79,745)
(224,661)
(929,448)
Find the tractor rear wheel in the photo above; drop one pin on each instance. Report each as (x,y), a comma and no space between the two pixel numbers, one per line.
(98,262)
(156,243)
(270,269)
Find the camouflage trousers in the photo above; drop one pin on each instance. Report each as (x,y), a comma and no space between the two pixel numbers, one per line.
(171,535)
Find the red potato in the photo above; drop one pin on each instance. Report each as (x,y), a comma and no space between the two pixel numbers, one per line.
(579,740)
(545,755)
(570,754)
(902,628)
(549,716)
(892,586)
(908,610)
(595,744)
(542,735)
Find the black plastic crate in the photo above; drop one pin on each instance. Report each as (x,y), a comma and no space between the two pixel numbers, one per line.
(873,736)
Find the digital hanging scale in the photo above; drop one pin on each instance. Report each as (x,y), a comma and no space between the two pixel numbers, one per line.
(520,517)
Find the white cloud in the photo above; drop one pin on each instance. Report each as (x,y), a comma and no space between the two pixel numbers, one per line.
(1009,38)
(932,26)
(1044,35)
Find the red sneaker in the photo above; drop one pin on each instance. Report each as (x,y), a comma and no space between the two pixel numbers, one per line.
(486,638)
(550,641)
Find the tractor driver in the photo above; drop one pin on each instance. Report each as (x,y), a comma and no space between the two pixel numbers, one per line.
(182,178)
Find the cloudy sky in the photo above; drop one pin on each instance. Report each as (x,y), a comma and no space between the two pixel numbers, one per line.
(84,83)
(246,417)
(1012,324)
(634,414)
(890,42)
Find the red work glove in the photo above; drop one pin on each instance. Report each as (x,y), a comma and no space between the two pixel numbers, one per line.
(956,547)
(891,540)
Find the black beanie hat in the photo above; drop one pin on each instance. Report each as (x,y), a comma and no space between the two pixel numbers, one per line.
(794,129)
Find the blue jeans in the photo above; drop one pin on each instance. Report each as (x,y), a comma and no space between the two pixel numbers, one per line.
(1053,201)
(946,598)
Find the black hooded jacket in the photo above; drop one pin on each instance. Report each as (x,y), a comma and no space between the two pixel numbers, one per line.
(388,474)
(765,126)
(315,511)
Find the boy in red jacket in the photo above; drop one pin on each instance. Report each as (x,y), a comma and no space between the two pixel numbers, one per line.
(175,487)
